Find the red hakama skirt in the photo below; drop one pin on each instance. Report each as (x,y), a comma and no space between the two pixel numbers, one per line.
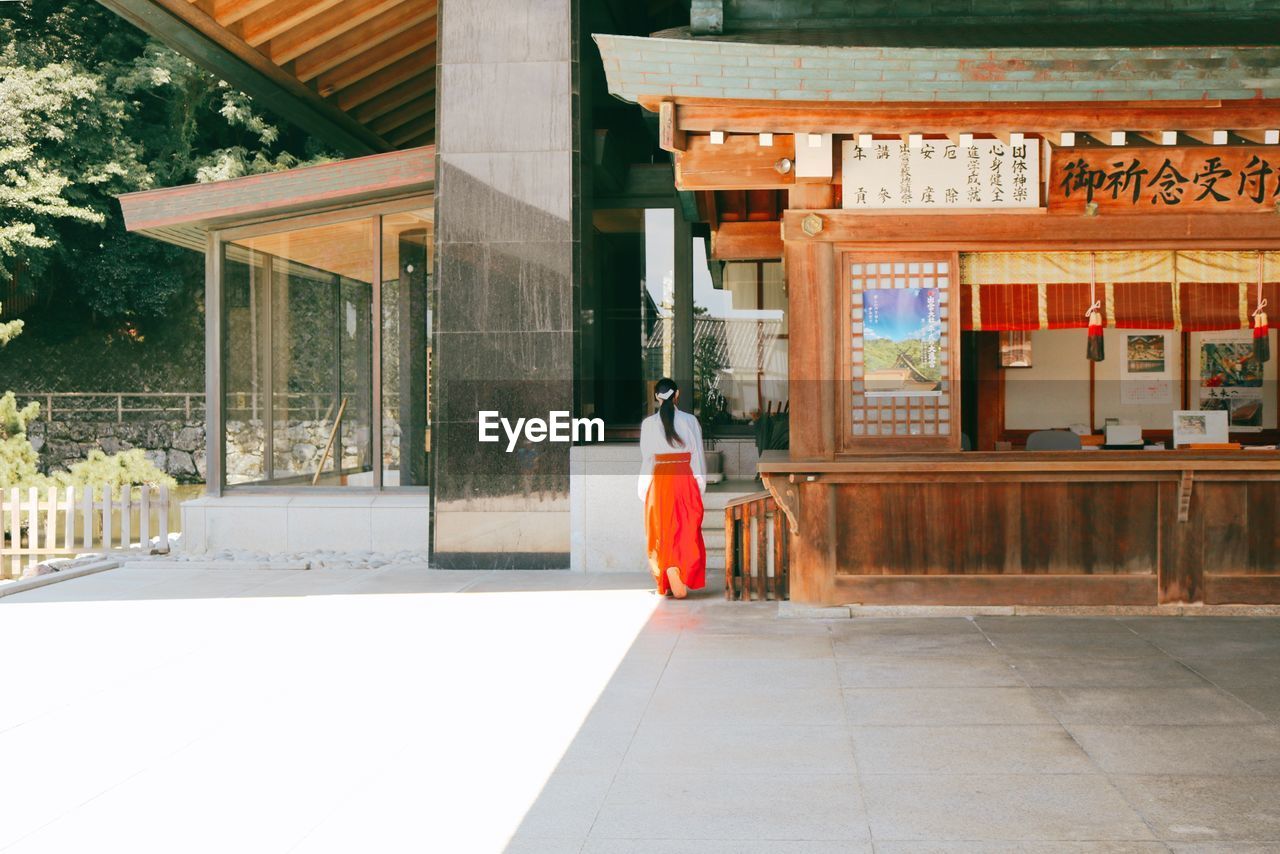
(673,523)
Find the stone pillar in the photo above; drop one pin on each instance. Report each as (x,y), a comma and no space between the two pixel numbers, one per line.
(508,256)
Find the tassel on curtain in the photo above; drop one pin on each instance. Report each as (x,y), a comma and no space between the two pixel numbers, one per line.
(1094,350)
(1261,331)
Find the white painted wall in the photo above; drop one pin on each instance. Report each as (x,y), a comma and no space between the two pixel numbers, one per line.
(1054,393)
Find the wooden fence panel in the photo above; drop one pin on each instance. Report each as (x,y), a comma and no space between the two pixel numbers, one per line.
(757,549)
(58,511)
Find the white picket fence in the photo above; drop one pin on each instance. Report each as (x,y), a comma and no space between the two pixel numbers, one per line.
(39,524)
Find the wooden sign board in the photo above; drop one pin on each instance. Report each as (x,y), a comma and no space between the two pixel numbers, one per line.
(938,175)
(1154,180)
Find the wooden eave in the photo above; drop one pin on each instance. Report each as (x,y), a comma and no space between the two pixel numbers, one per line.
(184,215)
(704,115)
(312,62)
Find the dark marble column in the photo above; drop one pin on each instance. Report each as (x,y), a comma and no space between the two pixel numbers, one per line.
(507,262)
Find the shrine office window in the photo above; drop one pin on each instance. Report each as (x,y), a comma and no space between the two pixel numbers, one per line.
(900,352)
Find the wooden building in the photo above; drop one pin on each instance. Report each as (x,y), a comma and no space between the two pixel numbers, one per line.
(854,217)
(943,202)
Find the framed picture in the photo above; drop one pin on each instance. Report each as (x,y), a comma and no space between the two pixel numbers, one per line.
(1199,427)
(1147,354)
(1015,349)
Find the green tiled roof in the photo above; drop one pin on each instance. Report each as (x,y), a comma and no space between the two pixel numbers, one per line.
(640,67)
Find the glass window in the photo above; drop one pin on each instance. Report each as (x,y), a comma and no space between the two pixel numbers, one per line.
(303,402)
(632,310)
(406,353)
(748,319)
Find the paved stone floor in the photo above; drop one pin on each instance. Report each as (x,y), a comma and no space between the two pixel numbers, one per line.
(228,710)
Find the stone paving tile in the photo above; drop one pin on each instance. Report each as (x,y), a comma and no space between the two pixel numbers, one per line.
(544,845)
(721,846)
(1196,809)
(1233,751)
(896,626)
(1058,846)
(734,647)
(1050,625)
(1225,847)
(1006,808)
(943,706)
(751,807)
(935,671)
(759,749)
(1081,644)
(1130,706)
(749,704)
(968,750)
(700,675)
(1070,671)
(721,729)
(915,644)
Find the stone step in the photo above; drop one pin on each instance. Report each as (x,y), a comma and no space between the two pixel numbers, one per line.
(720,494)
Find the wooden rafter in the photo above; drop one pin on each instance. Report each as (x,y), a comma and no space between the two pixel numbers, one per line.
(417,127)
(328,25)
(418,141)
(228,12)
(419,87)
(402,115)
(388,78)
(363,39)
(376,57)
(392,50)
(280,17)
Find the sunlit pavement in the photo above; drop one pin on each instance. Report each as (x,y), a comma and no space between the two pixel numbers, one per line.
(401,709)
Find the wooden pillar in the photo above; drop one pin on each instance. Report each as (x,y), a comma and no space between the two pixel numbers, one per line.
(990,392)
(811,197)
(813,558)
(811,302)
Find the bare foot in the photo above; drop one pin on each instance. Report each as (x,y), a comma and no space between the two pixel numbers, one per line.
(677,586)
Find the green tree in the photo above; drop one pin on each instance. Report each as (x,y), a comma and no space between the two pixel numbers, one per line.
(90,107)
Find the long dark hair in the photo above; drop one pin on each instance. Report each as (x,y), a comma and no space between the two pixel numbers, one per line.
(667,410)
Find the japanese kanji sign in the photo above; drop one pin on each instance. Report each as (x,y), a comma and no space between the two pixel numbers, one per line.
(1152,180)
(940,175)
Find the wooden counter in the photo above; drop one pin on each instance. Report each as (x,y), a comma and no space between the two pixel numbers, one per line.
(1042,528)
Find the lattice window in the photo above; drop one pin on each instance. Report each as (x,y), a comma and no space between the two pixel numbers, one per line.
(899,350)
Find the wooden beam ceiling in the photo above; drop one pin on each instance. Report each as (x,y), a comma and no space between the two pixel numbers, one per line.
(363,60)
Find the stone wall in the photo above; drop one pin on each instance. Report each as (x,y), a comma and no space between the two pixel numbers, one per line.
(175,445)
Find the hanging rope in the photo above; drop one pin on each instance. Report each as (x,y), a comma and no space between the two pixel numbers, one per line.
(1094,349)
(1261,332)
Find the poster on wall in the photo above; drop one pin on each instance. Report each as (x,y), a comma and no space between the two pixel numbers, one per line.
(902,335)
(1231,379)
(1146,373)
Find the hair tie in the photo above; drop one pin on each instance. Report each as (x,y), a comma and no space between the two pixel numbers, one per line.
(664,395)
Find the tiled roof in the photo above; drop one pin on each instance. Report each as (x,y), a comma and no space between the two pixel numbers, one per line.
(640,67)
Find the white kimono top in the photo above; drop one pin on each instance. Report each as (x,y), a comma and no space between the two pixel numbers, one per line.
(653,440)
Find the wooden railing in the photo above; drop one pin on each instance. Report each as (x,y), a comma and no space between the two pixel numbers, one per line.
(114,406)
(38,524)
(756,549)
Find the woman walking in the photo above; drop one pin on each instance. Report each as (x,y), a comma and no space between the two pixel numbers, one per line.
(673,477)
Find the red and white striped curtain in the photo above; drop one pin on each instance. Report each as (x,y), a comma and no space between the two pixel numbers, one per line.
(1195,291)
